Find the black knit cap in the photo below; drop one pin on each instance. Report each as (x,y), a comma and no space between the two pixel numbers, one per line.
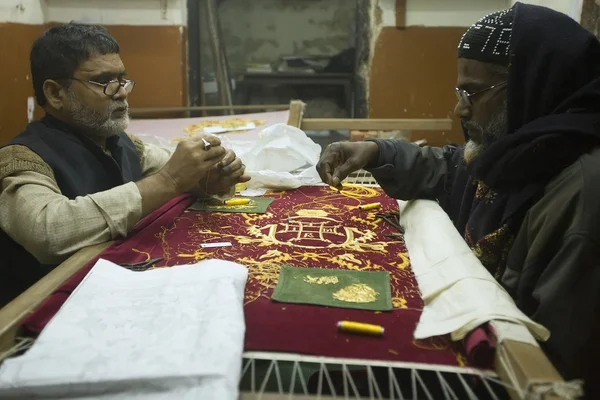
(488,40)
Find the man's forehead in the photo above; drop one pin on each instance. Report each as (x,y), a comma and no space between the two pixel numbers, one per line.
(102,64)
(477,72)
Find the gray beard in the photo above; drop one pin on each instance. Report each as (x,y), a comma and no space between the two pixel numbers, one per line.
(496,129)
(98,125)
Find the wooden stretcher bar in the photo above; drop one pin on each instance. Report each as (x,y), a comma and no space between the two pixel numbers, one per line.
(365,124)
(520,365)
(136,112)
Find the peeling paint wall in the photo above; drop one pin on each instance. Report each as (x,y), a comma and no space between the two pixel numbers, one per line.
(22,11)
(262,31)
(118,12)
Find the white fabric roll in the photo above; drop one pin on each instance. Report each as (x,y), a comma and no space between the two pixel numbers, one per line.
(458,292)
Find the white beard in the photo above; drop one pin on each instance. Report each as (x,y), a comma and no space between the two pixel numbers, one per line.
(100,125)
(496,129)
(472,150)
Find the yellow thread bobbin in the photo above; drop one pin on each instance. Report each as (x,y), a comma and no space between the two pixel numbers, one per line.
(359,327)
(371,206)
(237,202)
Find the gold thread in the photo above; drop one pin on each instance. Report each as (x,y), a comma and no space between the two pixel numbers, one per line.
(321,280)
(356,293)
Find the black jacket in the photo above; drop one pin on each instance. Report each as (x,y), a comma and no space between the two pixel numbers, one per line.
(80,167)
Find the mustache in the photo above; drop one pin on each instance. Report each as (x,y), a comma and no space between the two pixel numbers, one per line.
(471,125)
(117,104)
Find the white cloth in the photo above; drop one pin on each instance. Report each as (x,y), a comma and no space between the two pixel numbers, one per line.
(458,292)
(172,333)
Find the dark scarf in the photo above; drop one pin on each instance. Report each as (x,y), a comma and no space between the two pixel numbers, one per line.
(553,119)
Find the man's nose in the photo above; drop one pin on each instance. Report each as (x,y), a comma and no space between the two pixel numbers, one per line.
(121,94)
(462,110)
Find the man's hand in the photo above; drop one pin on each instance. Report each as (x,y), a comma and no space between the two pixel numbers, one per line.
(223,176)
(191,162)
(342,158)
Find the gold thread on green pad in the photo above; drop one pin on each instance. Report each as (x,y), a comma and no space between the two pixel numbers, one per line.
(363,290)
(257,205)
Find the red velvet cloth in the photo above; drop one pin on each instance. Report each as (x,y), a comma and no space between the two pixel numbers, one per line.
(480,347)
(309,227)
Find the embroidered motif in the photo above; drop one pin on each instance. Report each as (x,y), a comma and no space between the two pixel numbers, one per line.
(305,228)
(356,293)
(492,250)
(484,193)
(17,158)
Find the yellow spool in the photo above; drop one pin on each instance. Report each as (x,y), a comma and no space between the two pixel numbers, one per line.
(371,206)
(359,327)
(237,202)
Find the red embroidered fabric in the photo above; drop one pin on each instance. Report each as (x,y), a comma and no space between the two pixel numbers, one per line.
(312,226)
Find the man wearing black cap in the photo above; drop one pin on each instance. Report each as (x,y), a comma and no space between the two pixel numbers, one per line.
(524,191)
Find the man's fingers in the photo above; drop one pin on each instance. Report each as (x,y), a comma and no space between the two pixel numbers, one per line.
(236,173)
(341,172)
(325,170)
(232,166)
(213,140)
(228,159)
(244,178)
(215,154)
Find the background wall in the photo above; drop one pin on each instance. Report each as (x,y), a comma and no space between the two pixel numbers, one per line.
(413,69)
(262,31)
(151,33)
(20,23)
(410,72)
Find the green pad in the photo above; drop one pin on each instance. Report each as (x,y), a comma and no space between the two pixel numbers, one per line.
(257,205)
(370,290)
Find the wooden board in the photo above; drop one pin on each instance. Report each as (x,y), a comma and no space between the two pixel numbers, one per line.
(15,42)
(400,13)
(296,113)
(376,124)
(413,75)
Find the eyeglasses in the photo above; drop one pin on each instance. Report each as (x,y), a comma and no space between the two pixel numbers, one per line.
(466,96)
(111,88)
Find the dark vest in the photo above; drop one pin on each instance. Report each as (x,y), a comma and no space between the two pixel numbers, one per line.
(80,167)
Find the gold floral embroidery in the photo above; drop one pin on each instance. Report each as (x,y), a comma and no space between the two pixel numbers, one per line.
(484,193)
(492,250)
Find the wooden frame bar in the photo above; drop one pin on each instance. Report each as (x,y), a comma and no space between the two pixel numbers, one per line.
(520,365)
(316,124)
(136,112)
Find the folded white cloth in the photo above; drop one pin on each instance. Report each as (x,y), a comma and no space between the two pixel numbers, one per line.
(171,333)
(458,292)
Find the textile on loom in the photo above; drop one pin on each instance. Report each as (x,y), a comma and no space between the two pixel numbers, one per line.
(361,290)
(328,231)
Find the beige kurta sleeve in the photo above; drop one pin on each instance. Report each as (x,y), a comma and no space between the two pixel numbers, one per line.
(50,226)
(152,157)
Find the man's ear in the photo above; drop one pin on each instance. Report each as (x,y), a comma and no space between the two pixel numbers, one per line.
(55,93)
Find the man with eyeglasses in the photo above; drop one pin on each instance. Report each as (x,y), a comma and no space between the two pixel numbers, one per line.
(524,191)
(75,178)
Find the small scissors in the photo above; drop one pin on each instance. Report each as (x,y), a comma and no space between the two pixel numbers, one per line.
(143,265)
(393,219)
